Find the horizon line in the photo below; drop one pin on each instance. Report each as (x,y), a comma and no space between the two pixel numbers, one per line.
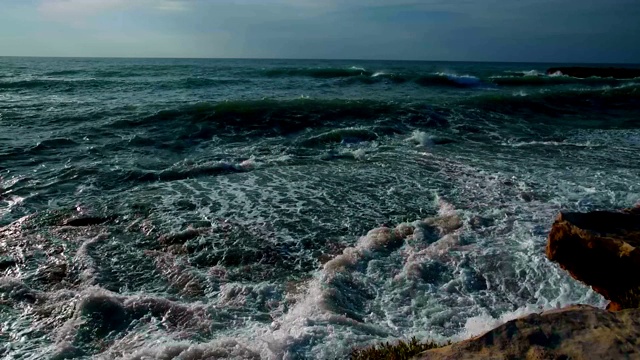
(312,59)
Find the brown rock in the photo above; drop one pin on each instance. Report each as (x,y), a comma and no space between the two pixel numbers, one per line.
(600,249)
(635,210)
(577,332)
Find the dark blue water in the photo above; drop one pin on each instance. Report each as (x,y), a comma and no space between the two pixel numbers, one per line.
(275,209)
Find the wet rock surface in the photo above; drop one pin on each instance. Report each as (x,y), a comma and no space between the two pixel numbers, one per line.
(577,332)
(600,248)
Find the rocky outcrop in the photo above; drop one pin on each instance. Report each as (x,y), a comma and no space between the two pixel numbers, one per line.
(601,249)
(577,332)
(587,72)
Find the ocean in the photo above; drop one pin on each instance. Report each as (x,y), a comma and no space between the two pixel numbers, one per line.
(292,209)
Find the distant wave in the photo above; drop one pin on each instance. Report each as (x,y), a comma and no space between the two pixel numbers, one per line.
(564,101)
(544,80)
(44,83)
(65,80)
(274,117)
(357,75)
(362,75)
(281,117)
(64,72)
(446,79)
(525,73)
(98,83)
(187,172)
(547,143)
(201,82)
(320,73)
(114,73)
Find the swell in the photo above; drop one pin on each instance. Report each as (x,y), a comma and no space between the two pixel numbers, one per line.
(543,80)
(273,117)
(319,73)
(57,84)
(201,82)
(442,80)
(55,143)
(64,72)
(360,75)
(282,117)
(182,173)
(589,101)
(97,83)
(468,81)
(449,80)
(356,75)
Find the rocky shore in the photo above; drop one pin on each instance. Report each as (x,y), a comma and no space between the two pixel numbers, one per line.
(600,249)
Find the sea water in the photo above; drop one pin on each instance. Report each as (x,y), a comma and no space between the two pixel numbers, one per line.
(278,209)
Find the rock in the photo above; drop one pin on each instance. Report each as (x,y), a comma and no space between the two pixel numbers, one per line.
(6,262)
(600,248)
(526,196)
(635,210)
(101,314)
(587,72)
(89,220)
(182,236)
(576,332)
(478,222)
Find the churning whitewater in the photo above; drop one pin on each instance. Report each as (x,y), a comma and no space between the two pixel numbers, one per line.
(273,209)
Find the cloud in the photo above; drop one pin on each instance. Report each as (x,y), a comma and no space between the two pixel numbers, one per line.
(85,8)
(523,30)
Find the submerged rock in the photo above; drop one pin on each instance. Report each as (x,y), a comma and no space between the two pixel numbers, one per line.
(600,249)
(6,262)
(587,72)
(577,332)
(89,220)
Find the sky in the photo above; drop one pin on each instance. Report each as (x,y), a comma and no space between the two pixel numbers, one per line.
(457,30)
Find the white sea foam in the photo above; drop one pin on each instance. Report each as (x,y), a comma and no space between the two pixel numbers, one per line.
(249,164)
(532,73)
(547,143)
(10,202)
(84,261)
(421,138)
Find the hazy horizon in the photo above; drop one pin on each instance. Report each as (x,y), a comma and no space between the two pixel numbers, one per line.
(318,59)
(531,31)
